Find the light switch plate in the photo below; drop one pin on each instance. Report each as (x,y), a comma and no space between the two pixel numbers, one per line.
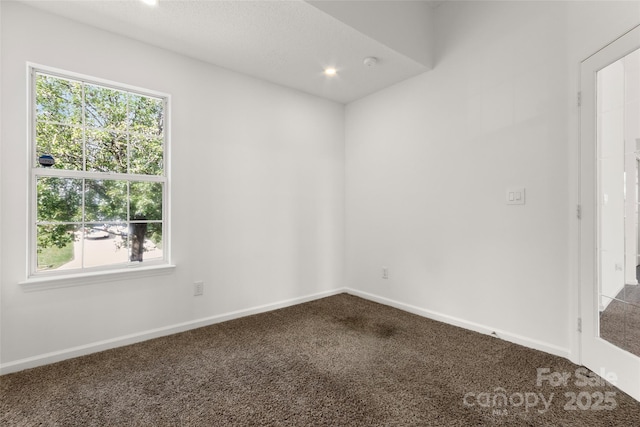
(515,196)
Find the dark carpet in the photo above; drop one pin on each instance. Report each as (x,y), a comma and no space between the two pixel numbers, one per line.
(337,361)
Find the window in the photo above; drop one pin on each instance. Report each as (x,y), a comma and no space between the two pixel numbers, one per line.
(98,175)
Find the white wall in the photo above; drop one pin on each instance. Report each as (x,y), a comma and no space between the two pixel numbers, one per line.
(257,194)
(429,160)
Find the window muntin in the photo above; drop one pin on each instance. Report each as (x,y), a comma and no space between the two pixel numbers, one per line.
(102,204)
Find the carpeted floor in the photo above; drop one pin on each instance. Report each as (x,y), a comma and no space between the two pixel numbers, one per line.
(338,361)
(620,322)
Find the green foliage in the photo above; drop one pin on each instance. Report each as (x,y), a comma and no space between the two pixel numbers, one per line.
(63,142)
(92,128)
(58,100)
(53,257)
(146,200)
(58,236)
(105,200)
(154,232)
(59,199)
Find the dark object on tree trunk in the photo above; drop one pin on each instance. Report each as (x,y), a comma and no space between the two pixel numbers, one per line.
(137,235)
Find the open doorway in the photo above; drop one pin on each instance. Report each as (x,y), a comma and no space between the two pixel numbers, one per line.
(618,124)
(609,129)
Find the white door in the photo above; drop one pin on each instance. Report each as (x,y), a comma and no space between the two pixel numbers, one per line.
(609,146)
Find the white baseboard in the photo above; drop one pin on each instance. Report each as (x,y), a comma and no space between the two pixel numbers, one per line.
(514,338)
(57,356)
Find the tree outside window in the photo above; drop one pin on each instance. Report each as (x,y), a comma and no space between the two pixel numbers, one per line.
(101,203)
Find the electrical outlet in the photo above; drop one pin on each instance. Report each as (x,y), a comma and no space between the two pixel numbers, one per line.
(198,288)
(385,273)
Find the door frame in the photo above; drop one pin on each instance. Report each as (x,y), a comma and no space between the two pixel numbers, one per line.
(597,354)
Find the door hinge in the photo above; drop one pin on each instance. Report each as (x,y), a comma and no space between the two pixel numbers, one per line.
(579,99)
(579,324)
(579,211)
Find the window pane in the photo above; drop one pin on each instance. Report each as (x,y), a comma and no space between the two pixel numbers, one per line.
(106,151)
(62,142)
(632,327)
(146,155)
(105,108)
(97,132)
(105,201)
(145,241)
(145,201)
(102,247)
(58,100)
(59,199)
(146,115)
(120,229)
(57,247)
(153,243)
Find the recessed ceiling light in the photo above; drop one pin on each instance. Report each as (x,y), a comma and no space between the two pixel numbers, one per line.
(330,71)
(150,2)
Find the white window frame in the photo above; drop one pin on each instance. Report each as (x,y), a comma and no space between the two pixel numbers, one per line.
(61,278)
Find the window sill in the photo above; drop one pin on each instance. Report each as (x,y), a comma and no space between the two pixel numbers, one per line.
(79,279)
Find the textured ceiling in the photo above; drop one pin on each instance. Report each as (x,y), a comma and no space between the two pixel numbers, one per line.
(285,42)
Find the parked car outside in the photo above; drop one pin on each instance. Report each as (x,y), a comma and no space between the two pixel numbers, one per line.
(97,234)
